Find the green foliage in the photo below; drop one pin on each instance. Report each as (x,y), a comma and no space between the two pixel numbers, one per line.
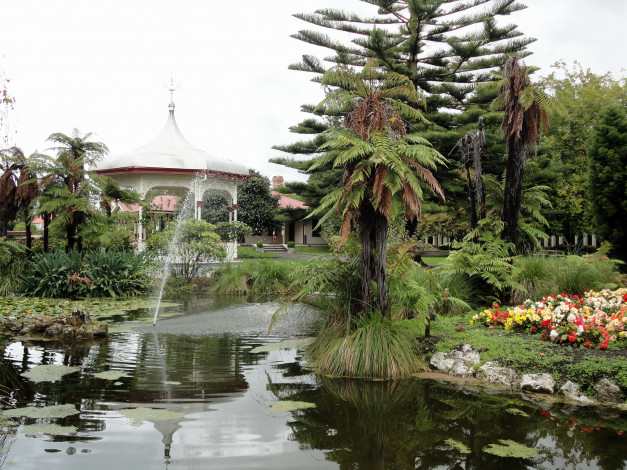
(541,276)
(247,252)
(291,244)
(561,161)
(186,244)
(215,208)
(257,207)
(607,178)
(230,280)
(259,244)
(232,230)
(12,264)
(90,274)
(375,348)
(483,255)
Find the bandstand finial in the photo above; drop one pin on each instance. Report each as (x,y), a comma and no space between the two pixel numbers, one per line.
(172,88)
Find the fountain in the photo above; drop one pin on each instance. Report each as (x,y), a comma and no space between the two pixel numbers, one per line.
(186,211)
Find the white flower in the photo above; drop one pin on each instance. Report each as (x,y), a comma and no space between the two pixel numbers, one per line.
(571,318)
(579,329)
(554,334)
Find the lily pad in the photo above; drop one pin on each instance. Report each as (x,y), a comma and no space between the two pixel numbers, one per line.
(110,374)
(290,344)
(37,412)
(139,415)
(49,373)
(508,448)
(287,405)
(461,448)
(38,430)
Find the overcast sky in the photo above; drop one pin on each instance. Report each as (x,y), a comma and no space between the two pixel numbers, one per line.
(103,66)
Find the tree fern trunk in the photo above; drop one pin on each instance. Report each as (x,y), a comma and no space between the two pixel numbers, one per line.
(29,236)
(46,218)
(381,237)
(366,226)
(514,174)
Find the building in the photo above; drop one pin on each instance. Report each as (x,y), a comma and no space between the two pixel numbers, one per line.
(169,166)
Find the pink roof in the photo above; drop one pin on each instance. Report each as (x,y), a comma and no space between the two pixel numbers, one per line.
(288,202)
(38,220)
(162,203)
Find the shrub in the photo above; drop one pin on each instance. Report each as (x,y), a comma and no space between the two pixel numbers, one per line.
(259,244)
(228,279)
(91,274)
(540,276)
(375,349)
(291,244)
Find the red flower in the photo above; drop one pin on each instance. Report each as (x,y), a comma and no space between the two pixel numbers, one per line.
(586,344)
(603,346)
(572,338)
(533,328)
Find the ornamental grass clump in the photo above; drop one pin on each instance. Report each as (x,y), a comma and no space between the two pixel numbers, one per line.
(596,320)
(376,349)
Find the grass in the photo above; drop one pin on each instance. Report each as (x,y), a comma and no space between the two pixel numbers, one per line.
(433,259)
(375,349)
(526,353)
(248,252)
(313,250)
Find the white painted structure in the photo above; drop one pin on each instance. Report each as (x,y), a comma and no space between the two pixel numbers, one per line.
(170,164)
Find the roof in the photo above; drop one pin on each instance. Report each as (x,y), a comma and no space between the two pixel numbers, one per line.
(286,202)
(163,203)
(171,152)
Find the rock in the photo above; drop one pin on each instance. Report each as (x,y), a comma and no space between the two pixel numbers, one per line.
(458,362)
(99,328)
(570,391)
(493,372)
(542,383)
(467,354)
(460,369)
(54,331)
(441,361)
(606,391)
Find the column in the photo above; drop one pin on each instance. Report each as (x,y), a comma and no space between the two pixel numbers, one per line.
(198,210)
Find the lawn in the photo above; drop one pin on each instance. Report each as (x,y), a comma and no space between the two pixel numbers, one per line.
(313,250)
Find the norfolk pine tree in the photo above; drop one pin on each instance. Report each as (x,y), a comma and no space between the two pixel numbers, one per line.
(445,47)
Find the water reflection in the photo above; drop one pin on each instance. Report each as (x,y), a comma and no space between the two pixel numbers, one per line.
(203,399)
(411,425)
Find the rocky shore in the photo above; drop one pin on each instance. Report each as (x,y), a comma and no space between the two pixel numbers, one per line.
(76,326)
(461,363)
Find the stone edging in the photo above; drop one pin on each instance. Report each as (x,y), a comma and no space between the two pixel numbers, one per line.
(461,362)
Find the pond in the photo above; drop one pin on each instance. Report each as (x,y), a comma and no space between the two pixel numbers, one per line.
(192,393)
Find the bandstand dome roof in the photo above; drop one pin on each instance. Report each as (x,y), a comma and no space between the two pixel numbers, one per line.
(169,152)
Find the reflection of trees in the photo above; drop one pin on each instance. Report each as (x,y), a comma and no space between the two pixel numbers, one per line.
(204,367)
(404,425)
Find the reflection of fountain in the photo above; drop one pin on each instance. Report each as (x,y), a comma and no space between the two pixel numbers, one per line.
(186,211)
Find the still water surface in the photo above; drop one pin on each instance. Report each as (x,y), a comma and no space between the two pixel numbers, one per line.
(204,398)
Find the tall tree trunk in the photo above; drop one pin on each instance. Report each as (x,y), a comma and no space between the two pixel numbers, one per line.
(478,143)
(46,218)
(69,231)
(29,236)
(465,151)
(366,227)
(514,173)
(381,237)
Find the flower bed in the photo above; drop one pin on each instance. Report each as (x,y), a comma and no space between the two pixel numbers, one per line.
(592,321)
